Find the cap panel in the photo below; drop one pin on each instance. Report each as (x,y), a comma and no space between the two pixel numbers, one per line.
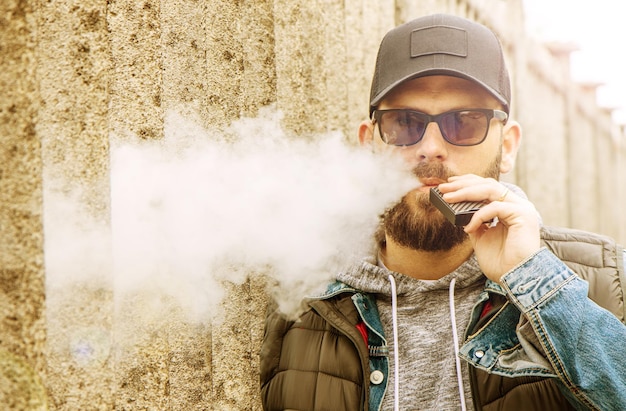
(439,40)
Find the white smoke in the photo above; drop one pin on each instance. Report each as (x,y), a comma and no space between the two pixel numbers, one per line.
(201,207)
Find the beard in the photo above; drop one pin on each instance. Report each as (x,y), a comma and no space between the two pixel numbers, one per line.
(415,223)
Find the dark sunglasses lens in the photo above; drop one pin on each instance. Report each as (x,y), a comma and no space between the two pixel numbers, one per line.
(401,128)
(464,128)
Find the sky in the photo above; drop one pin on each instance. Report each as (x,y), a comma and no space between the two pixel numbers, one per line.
(598,28)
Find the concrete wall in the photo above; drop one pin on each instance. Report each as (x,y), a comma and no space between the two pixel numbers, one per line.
(80,75)
(22,300)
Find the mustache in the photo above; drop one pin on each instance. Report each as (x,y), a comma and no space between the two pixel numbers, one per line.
(432,170)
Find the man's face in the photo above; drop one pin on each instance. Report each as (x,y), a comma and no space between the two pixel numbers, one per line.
(414,222)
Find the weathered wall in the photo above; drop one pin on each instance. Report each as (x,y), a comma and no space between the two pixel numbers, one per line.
(73,75)
(78,76)
(22,313)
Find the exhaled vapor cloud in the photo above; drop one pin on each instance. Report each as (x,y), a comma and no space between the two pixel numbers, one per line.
(202,207)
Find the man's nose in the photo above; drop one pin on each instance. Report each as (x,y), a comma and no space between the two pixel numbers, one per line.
(433,146)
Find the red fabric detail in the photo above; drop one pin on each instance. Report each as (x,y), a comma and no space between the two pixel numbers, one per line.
(363,330)
(486,308)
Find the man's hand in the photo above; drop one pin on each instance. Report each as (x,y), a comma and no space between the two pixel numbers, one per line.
(501,246)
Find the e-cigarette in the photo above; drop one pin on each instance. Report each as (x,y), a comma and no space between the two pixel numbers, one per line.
(458,214)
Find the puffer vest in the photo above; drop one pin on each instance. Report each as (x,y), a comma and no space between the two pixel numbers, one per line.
(596,259)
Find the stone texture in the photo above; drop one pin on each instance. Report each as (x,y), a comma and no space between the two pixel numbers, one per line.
(22,304)
(73,67)
(22,388)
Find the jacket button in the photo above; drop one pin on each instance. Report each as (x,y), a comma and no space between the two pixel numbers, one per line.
(377,377)
(479,354)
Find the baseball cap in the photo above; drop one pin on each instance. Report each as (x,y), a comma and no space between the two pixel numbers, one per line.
(441,44)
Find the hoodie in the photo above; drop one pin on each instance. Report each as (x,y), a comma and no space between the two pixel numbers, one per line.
(431,318)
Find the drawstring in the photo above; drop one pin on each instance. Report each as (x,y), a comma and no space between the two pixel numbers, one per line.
(394,316)
(455,338)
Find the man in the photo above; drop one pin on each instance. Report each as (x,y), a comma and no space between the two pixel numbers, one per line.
(485,316)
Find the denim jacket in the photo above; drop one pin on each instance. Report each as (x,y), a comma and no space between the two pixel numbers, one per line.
(561,333)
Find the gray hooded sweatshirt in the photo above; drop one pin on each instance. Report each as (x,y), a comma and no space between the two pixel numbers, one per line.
(427,370)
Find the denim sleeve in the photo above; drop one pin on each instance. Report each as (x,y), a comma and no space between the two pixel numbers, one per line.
(585,344)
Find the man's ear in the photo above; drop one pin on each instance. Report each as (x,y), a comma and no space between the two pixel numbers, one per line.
(366,133)
(511,139)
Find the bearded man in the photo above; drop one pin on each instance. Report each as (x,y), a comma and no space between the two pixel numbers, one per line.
(487,316)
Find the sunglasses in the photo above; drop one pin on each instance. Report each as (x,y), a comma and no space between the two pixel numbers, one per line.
(468,127)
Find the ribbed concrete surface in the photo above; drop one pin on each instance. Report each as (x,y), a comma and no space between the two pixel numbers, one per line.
(22,303)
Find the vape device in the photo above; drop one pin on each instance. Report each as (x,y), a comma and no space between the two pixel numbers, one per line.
(458,213)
